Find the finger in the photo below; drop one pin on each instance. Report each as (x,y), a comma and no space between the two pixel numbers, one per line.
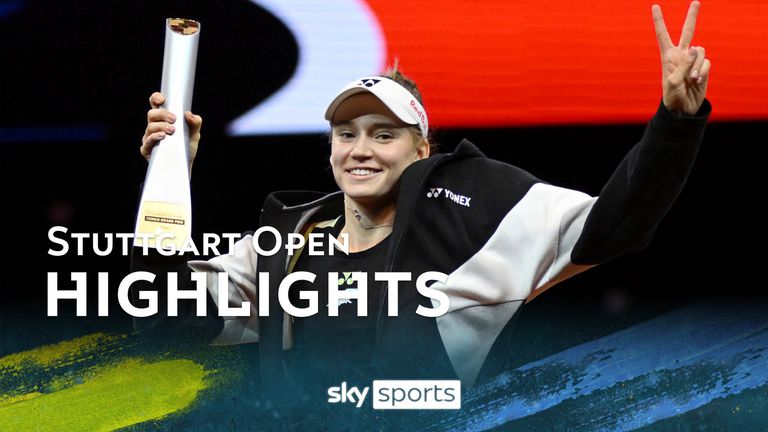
(160,115)
(690,25)
(195,123)
(150,142)
(661,29)
(683,72)
(690,60)
(156,100)
(696,69)
(160,127)
(704,74)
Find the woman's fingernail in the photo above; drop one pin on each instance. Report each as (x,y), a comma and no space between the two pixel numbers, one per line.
(695,74)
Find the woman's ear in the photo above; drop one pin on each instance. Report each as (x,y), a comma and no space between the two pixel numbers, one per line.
(423,151)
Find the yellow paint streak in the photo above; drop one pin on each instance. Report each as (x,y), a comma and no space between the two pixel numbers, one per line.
(117,396)
(59,354)
(7,400)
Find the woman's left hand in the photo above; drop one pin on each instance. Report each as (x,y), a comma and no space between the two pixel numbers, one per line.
(684,69)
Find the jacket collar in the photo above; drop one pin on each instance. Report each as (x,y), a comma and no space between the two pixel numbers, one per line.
(299,201)
(411,181)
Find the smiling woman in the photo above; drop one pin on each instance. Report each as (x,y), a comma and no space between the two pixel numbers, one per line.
(370,149)
(501,235)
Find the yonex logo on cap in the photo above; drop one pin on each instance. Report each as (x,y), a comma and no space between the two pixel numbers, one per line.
(370,82)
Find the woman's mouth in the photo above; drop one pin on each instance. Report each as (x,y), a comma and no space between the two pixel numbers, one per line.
(363,172)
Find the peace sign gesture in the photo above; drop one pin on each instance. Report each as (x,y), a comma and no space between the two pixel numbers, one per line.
(684,69)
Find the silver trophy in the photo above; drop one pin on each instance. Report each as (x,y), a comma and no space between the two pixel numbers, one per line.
(165,212)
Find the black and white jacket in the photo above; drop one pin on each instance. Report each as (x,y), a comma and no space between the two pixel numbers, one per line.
(500,234)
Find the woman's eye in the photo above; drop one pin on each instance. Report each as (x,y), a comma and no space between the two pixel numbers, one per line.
(384,136)
(346,135)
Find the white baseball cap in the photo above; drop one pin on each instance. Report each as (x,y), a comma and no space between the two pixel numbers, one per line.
(396,97)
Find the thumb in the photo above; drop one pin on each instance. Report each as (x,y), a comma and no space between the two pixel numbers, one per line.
(195,123)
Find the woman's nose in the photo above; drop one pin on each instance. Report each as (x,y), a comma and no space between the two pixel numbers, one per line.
(361,149)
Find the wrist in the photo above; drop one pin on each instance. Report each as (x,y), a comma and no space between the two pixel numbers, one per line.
(678,125)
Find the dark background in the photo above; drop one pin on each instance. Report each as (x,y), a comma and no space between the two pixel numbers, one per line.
(75,79)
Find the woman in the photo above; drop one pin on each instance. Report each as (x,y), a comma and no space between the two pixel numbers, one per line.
(501,235)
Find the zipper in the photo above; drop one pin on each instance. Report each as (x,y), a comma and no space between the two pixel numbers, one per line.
(390,266)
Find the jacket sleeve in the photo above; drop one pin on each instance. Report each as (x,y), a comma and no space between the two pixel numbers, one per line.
(643,188)
(186,323)
(238,267)
(539,234)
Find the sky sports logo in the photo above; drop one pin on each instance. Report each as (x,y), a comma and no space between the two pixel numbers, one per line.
(401,394)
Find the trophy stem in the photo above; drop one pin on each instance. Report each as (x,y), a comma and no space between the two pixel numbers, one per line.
(165,211)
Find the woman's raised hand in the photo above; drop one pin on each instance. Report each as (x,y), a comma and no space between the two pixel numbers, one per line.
(684,69)
(160,123)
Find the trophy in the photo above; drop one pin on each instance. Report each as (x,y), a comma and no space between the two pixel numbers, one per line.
(165,212)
